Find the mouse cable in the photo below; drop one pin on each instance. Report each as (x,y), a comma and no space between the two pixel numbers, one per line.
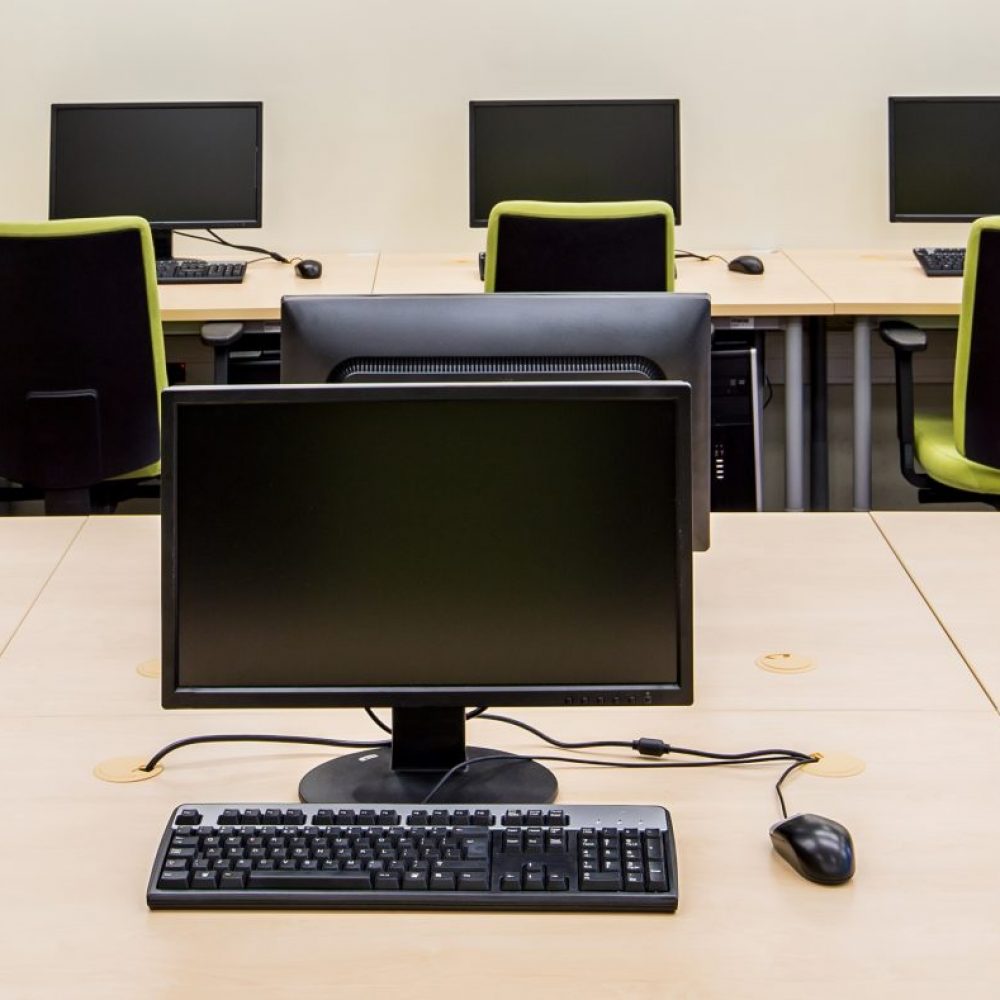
(649,747)
(630,764)
(645,745)
(264,738)
(781,781)
(698,256)
(216,238)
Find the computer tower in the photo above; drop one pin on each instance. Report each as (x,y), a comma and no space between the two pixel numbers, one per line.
(736,425)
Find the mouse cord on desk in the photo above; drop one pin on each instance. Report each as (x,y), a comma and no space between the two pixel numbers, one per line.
(781,781)
(630,764)
(216,238)
(699,256)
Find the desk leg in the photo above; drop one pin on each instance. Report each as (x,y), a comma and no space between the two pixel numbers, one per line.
(862,413)
(794,437)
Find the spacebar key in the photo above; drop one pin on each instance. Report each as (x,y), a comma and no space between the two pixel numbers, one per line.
(309,880)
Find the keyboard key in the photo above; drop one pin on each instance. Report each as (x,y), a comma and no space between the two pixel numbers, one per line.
(309,880)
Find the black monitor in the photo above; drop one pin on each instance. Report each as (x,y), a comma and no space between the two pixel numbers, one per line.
(514,336)
(427,548)
(573,151)
(175,165)
(943,158)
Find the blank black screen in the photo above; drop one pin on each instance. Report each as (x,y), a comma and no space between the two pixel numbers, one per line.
(586,151)
(193,165)
(457,542)
(944,158)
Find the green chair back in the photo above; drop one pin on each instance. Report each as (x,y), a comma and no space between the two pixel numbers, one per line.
(547,246)
(83,357)
(976,401)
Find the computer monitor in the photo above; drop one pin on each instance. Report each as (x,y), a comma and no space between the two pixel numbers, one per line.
(427,548)
(573,151)
(943,157)
(175,165)
(514,336)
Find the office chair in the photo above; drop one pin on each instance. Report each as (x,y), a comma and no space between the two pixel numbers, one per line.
(960,454)
(553,246)
(83,363)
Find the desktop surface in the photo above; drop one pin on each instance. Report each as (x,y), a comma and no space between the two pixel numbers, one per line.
(871,938)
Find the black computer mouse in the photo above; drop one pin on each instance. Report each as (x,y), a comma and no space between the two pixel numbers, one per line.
(747,264)
(308,268)
(818,848)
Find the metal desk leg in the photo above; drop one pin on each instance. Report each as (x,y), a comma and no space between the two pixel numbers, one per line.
(794,437)
(862,413)
(819,465)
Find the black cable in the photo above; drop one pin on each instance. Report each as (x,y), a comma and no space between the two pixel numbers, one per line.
(631,764)
(698,256)
(252,738)
(770,392)
(652,747)
(216,238)
(370,712)
(781,780)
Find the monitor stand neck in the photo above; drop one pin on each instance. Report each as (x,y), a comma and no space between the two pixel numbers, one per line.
(426,743)
(163,244)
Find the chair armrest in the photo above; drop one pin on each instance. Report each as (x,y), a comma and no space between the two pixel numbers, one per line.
(221,334)
(902,336)
(905,339)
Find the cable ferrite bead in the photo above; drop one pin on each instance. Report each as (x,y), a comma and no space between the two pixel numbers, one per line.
(650,747)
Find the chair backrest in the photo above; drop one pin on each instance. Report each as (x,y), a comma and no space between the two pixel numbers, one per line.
(976,401)
(552,246)
(82,363)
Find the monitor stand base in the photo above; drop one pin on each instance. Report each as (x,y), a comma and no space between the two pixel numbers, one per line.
(369,777)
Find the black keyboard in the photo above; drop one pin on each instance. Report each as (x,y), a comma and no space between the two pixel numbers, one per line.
(941,262)
(336,856)
(191,272)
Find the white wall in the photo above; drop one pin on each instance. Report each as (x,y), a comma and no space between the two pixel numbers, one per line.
(783,102)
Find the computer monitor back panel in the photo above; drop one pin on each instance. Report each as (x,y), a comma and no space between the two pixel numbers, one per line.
(497,544)
(559,336)
(943,158)
(194,165)
(573,151)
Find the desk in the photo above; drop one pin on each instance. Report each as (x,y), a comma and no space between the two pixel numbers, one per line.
(30,550)
(919,920)
(258,296)
(954,558)
(866,284)
(783,294)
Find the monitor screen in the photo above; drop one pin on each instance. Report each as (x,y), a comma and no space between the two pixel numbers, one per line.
(573,151)
(515,336)
(943,158)
(427,546)
(195,165)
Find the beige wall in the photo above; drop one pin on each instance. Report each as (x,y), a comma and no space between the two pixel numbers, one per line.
(782,115)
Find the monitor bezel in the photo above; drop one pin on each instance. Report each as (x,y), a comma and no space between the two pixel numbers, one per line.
(679,692)
(671,102)
(161,224)
(896,216)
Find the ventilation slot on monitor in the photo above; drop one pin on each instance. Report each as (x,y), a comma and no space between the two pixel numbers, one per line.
(476,369)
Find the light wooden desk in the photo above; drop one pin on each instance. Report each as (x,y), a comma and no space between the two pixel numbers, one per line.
(827,586)
(30,550)
(258,296)
(954,558)
(919,920)
(866,284)
(777,299)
